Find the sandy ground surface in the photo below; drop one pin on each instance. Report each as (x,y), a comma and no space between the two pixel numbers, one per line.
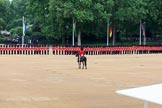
(56,81)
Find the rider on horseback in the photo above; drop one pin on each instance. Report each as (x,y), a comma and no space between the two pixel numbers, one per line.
(81,52)
(82,58)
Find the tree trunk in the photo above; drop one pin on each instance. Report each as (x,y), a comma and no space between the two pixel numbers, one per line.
(63,40)
(79,37)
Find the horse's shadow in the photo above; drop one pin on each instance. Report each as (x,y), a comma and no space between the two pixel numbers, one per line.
(81,60)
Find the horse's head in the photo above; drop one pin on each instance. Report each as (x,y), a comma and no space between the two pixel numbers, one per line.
(77,54)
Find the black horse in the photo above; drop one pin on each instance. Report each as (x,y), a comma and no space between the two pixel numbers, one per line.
(82,60)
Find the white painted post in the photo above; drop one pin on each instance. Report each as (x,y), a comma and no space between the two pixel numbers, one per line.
(145,104)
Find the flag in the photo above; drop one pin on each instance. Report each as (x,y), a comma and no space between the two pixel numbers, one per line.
(24,27)
(143,29)
(110,32)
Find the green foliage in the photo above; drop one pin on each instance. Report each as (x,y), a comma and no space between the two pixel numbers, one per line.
(17,30)
(2,38)
(36,35)
(131,10)
(52,19)
(2,24)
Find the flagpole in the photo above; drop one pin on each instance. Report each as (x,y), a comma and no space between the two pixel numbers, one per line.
(144,35)
(140,34)
(22,41)
(23,32)
(73,33)
(108,33)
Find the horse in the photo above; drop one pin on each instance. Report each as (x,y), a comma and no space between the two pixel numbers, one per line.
(82,60)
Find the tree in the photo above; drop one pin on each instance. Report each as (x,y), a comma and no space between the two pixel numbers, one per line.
(84,12)
(154,21)
(128,12)
(55,17)
(37,13)
(4,11)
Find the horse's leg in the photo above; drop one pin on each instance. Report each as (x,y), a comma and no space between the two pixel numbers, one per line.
(85,63)
(79,64)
